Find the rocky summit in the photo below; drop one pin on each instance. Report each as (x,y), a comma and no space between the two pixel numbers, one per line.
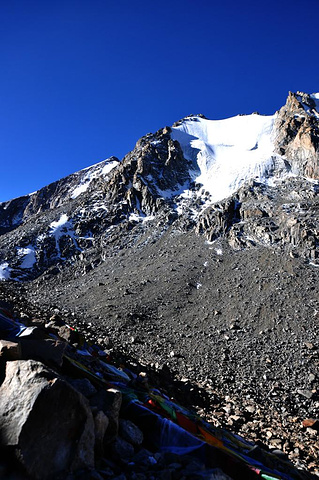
(194,261)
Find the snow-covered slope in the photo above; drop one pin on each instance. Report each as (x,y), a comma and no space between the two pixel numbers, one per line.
(228,152)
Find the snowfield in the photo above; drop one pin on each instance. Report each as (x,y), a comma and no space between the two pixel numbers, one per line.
(227,152)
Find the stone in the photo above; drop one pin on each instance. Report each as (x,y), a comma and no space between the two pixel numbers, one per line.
(47,421)
(144,457)
(10,350)
(83,385)
(311,423)
(130,432)
(69,334)
(48,350)
(250,409)
(311,377)
(122,450)
(109,401)
(101,422)
(57,320)
(305,393)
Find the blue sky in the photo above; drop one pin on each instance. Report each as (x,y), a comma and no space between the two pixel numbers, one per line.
(82,80)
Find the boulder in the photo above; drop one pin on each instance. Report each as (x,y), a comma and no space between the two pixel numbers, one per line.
(109,401)
(130,432)
(47,421)
(10,350)
(48,350)
(83,385)
(101,423)
(69,334)
(122,450)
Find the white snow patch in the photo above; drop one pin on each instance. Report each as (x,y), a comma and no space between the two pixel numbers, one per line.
(109,167)
(29,256)
(148,218)
(56,227)
(227,152)
(80,189)
(92,172)
(315,97)
(5,271)
(62,227)
(219,251)
(187,194)
(135,217)
(198,285)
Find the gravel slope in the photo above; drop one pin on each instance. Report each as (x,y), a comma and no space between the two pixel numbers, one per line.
(237,327)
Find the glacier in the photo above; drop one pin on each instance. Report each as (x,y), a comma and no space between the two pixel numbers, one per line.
(227,152)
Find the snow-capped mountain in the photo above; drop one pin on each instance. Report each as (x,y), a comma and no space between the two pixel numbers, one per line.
(195,256)
(243,178)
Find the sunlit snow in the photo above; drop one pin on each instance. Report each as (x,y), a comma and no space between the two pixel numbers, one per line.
(56,227)
(134,217)
(92,172)
(5,271)
(227,152)
(28,255)
(61,227)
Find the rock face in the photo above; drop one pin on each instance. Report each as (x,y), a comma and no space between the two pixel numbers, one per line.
(154,167)
(19,210)
(298,134)
(284,217)
(39,413)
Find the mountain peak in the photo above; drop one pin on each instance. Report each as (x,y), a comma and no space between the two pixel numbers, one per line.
(187,173)
(189,117)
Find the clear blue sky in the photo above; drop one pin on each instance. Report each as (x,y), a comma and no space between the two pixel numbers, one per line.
(82,80)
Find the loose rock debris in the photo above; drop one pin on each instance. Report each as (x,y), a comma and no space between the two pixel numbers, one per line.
(75,412)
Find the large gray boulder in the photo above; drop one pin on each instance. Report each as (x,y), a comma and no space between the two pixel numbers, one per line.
(49,422)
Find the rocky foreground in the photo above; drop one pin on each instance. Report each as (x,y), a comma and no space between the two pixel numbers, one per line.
(65,413)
